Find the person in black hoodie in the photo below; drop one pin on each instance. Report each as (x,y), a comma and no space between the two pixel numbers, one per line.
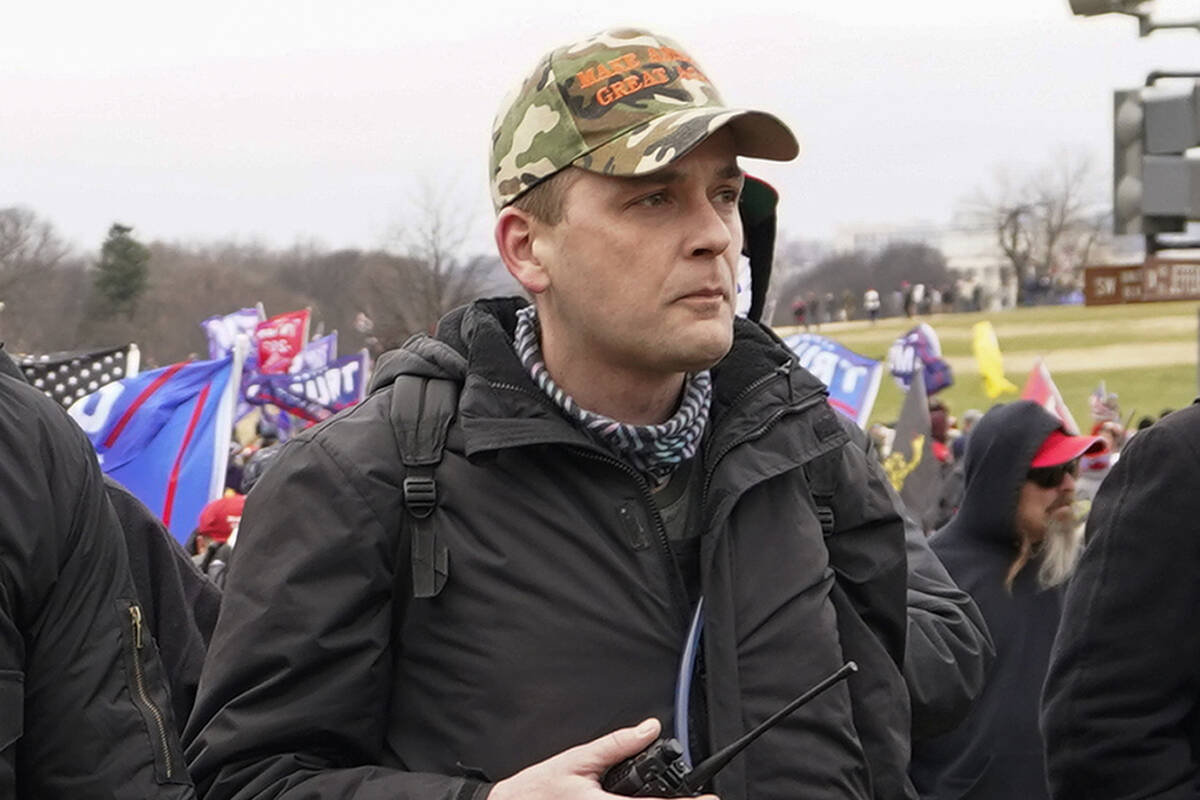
(1010,547)
(1121,709)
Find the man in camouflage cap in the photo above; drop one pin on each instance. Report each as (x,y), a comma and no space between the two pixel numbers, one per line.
(609,477)
(622,103)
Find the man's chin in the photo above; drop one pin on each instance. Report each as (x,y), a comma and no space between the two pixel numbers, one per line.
(704,354)
(1063,515)
(1060,548)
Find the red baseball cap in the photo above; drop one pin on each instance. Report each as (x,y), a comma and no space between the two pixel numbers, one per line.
(1059,448)
(218,518)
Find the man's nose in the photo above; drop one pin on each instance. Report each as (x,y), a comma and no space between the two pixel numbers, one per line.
(712,233)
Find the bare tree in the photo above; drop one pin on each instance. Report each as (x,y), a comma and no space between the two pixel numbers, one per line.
(1048,222)
(28,247)
(47,290)
(35,286)
(427,274)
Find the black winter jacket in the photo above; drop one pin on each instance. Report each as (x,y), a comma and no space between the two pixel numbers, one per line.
(562,618)
(1121,711)
(996,753)
(84,709)
(948,649)
(179,603)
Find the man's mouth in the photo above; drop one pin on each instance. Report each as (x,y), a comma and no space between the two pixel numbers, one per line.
(708,293)
(1059,506)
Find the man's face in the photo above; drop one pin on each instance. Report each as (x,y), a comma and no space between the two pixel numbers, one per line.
(1043,507)
(642,270)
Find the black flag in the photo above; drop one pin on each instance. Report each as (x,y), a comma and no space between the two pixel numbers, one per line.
(66,377)
(912,468)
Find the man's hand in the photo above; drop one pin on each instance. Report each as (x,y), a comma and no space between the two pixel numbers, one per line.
(575,774)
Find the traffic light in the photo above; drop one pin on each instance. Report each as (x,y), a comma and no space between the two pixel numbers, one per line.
(1133,8)
(1090,8)
(1156,185)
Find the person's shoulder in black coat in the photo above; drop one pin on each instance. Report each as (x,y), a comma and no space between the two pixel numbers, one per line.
(84,707)
(1120,712)
(180,603)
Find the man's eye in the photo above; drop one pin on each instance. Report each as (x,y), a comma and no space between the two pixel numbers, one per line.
(729,195)
(653,200)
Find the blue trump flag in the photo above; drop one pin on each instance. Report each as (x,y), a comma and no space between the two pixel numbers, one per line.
(164,435)
(920,350)
(853,380)
(314,394)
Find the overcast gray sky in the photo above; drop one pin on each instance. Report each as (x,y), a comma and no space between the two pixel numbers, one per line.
(282,120)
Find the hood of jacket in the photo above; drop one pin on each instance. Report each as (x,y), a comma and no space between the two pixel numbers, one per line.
(999,452)
(9,367)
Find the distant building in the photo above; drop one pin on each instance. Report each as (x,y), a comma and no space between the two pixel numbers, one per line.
(972,253)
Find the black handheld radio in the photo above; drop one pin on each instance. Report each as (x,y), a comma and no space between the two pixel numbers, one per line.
(660,771)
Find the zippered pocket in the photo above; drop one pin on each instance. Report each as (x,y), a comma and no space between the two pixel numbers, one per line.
(149,694)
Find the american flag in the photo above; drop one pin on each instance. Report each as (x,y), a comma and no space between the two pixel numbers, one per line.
(66,377)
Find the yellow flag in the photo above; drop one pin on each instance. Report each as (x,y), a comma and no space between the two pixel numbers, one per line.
(991,363)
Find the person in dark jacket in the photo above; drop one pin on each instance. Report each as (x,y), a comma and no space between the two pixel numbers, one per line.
(1121,708)
(1010,546)
(179,605)
(948,647)
(84,706)
(618,456)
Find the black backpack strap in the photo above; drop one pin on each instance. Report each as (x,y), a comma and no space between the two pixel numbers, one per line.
(821,474)
(421,412)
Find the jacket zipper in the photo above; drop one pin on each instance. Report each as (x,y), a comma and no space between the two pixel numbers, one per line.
(678,592)
(710,466)
(135,615)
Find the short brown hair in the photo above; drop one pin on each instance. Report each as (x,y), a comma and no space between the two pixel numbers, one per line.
(546,201)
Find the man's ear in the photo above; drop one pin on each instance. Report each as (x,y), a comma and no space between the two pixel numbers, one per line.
(516,231)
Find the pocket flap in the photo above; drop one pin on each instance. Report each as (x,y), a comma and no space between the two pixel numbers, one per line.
(12,707)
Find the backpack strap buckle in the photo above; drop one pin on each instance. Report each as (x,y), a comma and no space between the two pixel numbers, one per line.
(826,517)
(420,495)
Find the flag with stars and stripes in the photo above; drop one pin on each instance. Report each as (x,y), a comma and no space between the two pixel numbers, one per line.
(66,377)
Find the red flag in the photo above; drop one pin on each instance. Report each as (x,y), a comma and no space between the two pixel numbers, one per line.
(1041,389)
(280,339)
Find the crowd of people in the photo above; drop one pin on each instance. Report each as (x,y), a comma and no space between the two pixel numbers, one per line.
(556,531)
(812,309)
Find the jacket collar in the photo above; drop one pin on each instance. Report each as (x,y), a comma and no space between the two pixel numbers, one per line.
(501,407)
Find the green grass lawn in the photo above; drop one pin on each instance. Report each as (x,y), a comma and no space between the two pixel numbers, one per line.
(1143,390)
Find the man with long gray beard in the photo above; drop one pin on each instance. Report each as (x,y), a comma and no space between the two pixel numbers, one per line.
(1012,545)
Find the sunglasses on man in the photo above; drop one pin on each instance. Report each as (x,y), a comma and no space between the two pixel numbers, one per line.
(1052,477)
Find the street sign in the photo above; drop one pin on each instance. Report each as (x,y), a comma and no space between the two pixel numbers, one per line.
(1158,280)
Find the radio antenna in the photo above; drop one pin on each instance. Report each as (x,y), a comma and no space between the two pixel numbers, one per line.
(710,766)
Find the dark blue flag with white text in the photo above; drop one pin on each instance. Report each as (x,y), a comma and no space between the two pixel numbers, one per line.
(852,379)
(315,394)
(164,435)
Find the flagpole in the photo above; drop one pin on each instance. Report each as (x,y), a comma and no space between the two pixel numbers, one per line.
(133,362)
(224,421)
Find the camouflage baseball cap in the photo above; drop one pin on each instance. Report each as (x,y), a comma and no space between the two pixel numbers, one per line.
(622,102)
